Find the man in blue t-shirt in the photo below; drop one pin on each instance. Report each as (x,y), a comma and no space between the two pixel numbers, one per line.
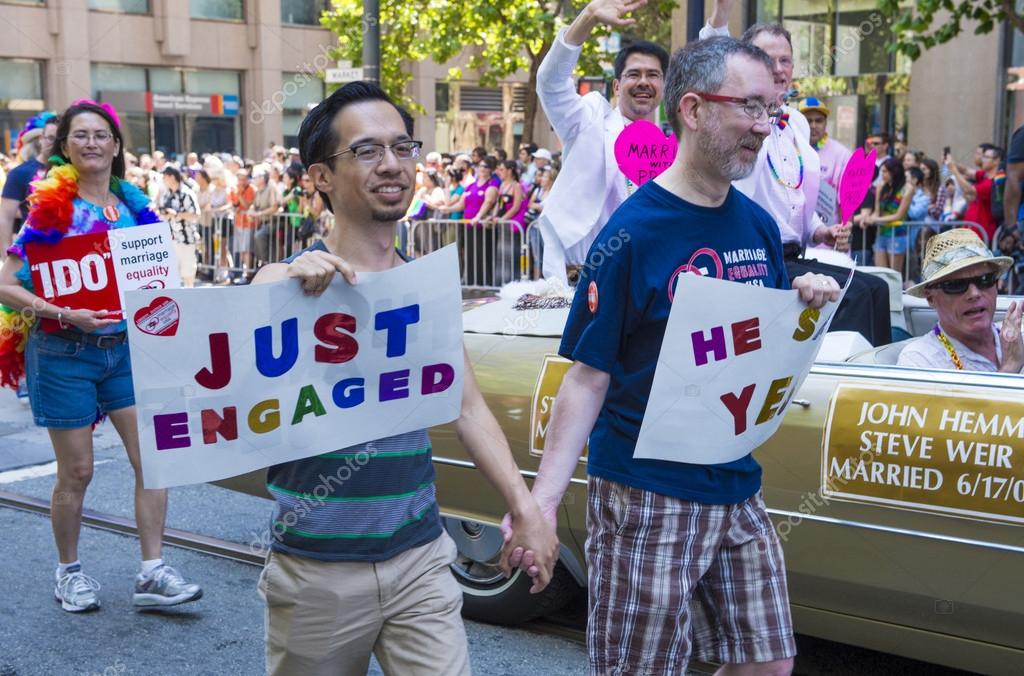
(35,144)
(665,534)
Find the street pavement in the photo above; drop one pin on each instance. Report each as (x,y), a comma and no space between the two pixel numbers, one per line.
(223,632)
(220,634)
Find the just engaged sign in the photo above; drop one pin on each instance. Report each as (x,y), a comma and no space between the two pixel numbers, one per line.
(229,380)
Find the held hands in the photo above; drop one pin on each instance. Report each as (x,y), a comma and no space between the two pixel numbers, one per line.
(1010,340)
(816,290)
(531,545)
(316,270)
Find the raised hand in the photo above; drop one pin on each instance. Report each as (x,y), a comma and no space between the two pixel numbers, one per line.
(1010,340)
(613,12)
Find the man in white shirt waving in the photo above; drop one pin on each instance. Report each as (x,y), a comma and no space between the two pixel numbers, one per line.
(786,181)
(590,186)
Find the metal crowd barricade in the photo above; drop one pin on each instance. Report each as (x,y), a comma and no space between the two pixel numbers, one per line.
(914,253)
(491,252)
(270,239)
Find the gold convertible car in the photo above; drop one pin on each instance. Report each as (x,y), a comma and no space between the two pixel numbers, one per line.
(898,493)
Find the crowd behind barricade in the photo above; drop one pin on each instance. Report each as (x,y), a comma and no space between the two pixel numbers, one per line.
(229,215)
(487,203)
(915,196)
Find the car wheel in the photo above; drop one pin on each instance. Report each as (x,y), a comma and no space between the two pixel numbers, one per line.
(487,595)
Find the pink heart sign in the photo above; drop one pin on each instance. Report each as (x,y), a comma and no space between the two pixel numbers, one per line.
(159,318)
(856,182)
(643,151)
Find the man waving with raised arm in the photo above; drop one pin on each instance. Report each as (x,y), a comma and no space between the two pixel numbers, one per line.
(590,186)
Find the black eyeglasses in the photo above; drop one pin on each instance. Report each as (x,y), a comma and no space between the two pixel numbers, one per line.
(957,287)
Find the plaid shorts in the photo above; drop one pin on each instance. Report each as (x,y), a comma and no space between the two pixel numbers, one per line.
(671,579)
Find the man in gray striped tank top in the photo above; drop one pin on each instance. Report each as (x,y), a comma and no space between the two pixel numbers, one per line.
(359,561)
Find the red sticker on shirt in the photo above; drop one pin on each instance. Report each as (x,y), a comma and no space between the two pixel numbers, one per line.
(592,297)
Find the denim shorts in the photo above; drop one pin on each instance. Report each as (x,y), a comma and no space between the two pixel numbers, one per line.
(892,241)
(70,382)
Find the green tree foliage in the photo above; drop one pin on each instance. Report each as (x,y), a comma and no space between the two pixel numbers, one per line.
(500,38)
(927,23)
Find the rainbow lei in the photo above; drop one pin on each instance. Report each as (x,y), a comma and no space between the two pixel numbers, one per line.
(954,357)
(775,174)
(49,220)
(821,142)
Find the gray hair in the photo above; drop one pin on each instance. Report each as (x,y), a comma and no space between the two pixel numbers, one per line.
(776,29)
(701,67)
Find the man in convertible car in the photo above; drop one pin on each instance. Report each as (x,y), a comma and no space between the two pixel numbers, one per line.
(960,276)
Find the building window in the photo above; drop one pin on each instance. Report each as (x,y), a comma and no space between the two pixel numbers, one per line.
(230,10)
(21,97)
(302,12)
(442,97)
(125,6)
(301,92)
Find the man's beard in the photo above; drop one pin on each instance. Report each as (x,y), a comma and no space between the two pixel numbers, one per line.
(727,157)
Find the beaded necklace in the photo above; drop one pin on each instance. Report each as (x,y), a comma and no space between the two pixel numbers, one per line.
(783,182)
(954,357)
(821,142)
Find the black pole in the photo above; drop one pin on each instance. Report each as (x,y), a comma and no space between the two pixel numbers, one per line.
(371,40)
(694,18)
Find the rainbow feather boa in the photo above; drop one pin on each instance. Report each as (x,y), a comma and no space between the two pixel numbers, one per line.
(49,220)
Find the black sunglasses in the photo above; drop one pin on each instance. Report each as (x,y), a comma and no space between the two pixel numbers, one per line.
(956,287)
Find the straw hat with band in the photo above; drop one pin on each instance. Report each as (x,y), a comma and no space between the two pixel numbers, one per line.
(951,252)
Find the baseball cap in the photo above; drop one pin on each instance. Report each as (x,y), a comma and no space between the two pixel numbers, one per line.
(543,153)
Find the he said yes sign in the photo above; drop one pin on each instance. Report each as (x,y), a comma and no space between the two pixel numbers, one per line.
(732,357)
(93,271)
(229,380)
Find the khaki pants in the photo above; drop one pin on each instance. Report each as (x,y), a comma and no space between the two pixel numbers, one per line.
(327,617)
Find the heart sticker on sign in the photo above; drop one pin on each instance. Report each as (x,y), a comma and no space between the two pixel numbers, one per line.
(159,318)
(856,182)
(643,151)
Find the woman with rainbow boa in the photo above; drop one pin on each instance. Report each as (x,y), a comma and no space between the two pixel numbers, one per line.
(76,360)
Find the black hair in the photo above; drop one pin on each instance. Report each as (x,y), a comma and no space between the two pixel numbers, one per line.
(435,177)
(995,149)
(985,147)
(317,137)
(512,166)
(897,177)
(171,171)
(204,174)
(490,161)
(501,154)
(117,167)
(295,173)
(480,151)
(916,174)
(640,47)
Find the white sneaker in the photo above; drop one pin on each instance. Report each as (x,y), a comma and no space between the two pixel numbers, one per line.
(76,591)
(164,587)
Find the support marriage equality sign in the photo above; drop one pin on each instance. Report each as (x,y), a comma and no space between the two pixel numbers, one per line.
(94,271)
(229,380)
(732,357)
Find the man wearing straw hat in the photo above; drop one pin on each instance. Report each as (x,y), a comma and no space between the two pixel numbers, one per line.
(960,276)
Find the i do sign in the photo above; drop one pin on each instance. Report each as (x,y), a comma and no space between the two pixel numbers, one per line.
(93,271)
(732,357)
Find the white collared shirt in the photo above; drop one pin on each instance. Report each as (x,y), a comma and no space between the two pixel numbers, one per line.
(929,352)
